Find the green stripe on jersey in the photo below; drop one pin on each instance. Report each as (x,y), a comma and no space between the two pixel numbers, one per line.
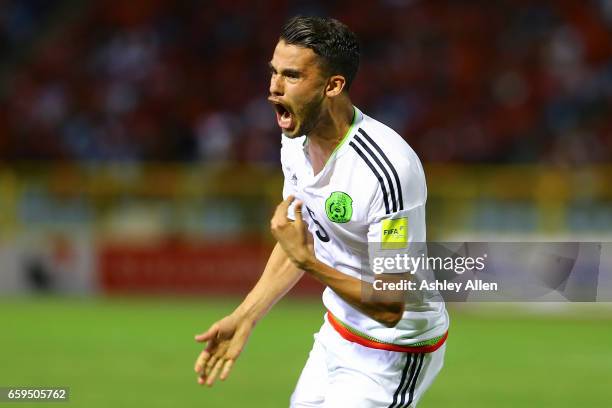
(348,132)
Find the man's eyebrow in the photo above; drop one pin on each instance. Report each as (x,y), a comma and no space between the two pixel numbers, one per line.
(286,72)
(291,72)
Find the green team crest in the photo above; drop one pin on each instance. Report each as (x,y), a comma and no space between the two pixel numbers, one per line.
(339,207)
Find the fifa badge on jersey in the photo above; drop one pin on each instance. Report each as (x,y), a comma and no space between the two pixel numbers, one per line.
(394,233)
(339,207)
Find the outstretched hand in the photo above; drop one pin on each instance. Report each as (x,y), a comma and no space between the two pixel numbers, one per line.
(224,340)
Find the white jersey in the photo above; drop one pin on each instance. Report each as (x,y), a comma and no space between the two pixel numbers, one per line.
(372,183)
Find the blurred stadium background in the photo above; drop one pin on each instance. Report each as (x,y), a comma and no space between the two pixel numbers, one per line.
(139,165)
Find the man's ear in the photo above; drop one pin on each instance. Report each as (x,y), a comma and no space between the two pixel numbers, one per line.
(335,85)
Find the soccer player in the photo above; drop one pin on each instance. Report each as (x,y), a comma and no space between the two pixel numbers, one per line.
(350,182)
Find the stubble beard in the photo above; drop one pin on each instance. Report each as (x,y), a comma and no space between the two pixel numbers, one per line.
(311,114)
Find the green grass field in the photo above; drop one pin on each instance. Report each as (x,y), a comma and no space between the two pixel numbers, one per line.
(140,353)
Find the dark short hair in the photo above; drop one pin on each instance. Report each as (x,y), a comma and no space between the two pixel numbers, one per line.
(330,39)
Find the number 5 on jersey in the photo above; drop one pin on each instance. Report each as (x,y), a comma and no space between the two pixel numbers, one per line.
(321,233)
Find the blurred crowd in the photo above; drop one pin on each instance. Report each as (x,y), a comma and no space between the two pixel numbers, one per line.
(462,81)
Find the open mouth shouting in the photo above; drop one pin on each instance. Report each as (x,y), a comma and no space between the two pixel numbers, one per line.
(284,117)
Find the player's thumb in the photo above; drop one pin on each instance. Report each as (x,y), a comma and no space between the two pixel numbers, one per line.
(298,211)
(207,335)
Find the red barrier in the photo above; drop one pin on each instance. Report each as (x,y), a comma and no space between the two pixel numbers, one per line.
(187,268)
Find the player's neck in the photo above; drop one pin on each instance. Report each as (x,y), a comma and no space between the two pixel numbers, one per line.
(328,134)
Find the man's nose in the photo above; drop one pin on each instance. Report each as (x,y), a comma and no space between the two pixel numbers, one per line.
(276,85)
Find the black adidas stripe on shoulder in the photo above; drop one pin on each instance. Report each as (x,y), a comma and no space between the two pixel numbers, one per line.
(381,167)
(376,173)
(391,167)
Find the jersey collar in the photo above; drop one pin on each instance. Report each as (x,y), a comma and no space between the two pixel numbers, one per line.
(342,146)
